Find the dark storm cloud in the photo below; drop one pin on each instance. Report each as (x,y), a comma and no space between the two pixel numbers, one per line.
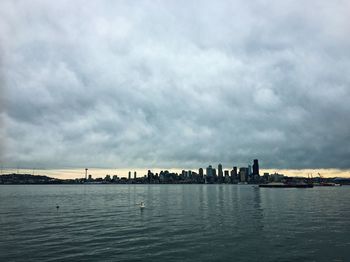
(175,84)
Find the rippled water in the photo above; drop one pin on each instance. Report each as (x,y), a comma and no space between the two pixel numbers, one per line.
(179,223)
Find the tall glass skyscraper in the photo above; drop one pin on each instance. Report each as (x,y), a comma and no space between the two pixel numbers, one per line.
(256,167)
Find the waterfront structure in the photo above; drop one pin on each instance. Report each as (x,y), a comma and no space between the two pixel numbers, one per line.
(276,177)
(266,176)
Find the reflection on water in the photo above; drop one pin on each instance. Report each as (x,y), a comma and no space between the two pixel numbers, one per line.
(179,223)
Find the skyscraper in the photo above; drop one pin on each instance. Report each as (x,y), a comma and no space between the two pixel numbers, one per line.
(235,170)
(227,173)
(250,176)
(209,171)
(227,178)
(220,173)
(234,173)
(210,174)
(243,174)
(250,170)
(256,167)
(200,172)
(135,175)
(129,176)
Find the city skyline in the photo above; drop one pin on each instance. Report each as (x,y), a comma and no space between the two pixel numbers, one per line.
(123,172)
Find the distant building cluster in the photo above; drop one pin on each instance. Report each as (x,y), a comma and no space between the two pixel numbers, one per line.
(242,175)
(210,175)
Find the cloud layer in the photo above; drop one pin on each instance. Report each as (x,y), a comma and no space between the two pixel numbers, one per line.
(175,83)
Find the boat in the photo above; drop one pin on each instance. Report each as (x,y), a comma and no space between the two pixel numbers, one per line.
(328,184)
(287,185)
(324,183)
(142,205)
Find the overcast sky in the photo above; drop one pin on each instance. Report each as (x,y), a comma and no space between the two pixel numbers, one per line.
(175,83)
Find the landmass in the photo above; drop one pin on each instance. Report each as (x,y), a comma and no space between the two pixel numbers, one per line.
(165,177)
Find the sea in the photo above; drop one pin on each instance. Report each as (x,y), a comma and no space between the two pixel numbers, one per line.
(178,223)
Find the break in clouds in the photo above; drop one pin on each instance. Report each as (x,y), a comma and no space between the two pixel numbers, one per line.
(175,83)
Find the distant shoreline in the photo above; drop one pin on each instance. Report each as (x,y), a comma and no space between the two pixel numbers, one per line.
(28,179)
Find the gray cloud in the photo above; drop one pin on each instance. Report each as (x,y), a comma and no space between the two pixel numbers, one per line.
(175,84)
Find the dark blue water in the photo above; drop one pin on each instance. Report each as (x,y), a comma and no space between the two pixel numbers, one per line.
(179,223)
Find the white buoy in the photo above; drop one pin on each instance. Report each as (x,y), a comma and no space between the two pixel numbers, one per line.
(142,205)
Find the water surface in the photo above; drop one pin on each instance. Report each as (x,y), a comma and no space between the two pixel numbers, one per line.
(179,223)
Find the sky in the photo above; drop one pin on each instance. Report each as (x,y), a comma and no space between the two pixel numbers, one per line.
(175,84)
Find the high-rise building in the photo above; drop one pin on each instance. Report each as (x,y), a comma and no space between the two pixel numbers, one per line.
(235,170)
(220,173)
(189,174)
(200,172)
(149,176)
(210,175)
(227,178)
(209,171)
(234,174)
(129,176)
(243,174)
(250,176)
(226,173)
(135,175)
(256,167)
